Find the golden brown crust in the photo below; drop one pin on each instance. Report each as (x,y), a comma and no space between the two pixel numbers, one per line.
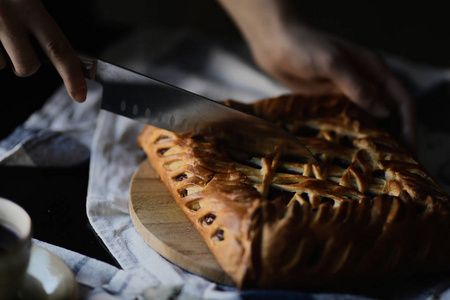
(274,221)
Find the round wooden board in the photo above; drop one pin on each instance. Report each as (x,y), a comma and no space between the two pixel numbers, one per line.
(164,227)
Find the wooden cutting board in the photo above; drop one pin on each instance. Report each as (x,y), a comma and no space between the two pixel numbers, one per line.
(165,228)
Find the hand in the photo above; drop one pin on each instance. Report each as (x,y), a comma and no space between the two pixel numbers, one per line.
(312,62)
(20,19)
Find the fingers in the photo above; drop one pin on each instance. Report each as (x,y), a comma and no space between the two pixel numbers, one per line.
(61,54)
(379,92)
(307,87)
(17,45)
(362,88)
(406,107)
(31,18)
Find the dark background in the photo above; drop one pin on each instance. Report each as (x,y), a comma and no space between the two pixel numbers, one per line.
(55,197)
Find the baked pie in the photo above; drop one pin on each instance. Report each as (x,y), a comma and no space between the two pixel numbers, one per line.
(273,219)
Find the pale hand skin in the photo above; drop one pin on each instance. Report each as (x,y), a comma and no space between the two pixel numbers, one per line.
(20,19)
(312,62)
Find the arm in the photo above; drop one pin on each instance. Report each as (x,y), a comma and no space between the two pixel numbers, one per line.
(20,19)
(313,62)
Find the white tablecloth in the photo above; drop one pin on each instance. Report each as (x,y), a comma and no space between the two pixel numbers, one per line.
(64,133)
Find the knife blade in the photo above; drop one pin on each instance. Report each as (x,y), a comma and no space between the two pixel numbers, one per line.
(165,106)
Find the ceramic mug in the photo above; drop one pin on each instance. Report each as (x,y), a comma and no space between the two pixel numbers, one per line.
(15,247)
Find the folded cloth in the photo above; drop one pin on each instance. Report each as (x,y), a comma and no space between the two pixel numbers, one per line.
(99,280)
(59,134)
(115,155)
(199,65)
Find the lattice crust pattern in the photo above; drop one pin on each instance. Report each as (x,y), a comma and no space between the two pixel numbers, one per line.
(273,220)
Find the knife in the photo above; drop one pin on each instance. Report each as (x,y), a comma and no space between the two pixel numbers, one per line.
(165,106)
